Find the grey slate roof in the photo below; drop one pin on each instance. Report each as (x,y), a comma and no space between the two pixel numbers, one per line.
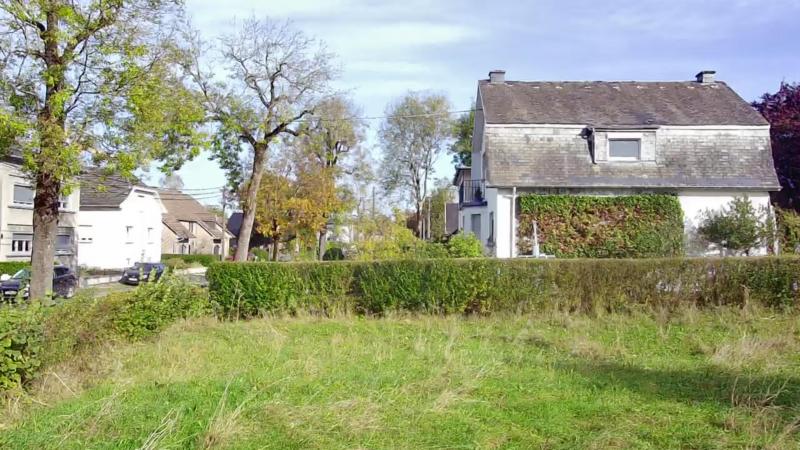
(615,103)
(561,157)
(102,191)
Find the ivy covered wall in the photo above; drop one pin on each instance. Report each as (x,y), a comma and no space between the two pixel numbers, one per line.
(582,226)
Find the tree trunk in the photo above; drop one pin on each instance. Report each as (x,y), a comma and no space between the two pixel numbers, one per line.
(323,242)
(51,126)
(249,204)
(45,228)
(275,245)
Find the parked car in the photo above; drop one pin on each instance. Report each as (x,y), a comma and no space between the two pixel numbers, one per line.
(65,283)
(142,272)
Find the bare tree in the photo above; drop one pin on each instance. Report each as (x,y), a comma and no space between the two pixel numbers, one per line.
(412,137)
(274,74)
(89,81)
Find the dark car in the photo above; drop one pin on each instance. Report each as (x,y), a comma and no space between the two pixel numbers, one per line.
(142,272)
(64,283)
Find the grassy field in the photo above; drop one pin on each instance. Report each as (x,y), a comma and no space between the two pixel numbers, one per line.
(720,379)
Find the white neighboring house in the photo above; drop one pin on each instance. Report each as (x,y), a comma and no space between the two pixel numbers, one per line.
(119,222)
(16,217)
(696,139)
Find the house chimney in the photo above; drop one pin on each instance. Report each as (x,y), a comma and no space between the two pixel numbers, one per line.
(705,76)
(497,76)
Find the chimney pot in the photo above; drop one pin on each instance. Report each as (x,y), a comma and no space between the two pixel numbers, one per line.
(497,76)
(705,76)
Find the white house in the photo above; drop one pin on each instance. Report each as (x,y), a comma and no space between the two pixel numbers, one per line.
(696,139)
(119,222)
(16,217)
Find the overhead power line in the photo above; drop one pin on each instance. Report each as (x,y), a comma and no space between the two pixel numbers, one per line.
(394,116)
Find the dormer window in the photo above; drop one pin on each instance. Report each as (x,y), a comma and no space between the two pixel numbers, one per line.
(624,149)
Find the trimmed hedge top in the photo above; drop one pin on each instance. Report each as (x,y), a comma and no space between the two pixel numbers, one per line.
(581,226)
(205,260)
(483,284)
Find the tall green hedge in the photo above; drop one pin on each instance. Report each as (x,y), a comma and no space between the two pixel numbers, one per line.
(579,226)
(12,267)
(485,285)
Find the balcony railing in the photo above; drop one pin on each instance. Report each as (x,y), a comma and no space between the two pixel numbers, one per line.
(472,192)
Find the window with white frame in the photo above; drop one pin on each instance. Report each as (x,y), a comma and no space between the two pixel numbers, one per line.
(21,243)
(23,195)
(85,234)
(129,234)
(149,235)
(624,149)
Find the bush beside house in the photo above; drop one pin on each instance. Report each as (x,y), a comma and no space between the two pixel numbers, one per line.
(575,226)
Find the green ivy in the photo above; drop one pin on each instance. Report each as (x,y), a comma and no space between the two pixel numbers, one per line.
(580,226)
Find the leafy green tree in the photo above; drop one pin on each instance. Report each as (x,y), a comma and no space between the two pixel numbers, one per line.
(329,136)
(412,137)
(461,148)
(90,81)
(737,227)
(275,75)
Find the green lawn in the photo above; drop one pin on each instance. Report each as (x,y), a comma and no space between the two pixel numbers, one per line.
(719,379)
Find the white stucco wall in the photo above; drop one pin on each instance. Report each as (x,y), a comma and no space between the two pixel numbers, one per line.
(106,242)
(695,202)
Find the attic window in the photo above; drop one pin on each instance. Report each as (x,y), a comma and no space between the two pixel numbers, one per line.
(624,149)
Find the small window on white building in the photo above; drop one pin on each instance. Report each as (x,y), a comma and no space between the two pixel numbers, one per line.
(23,195)
(624,149)
(63,244)
(21,243)
(129,234)
(149,235)
(85,234)
(475,225)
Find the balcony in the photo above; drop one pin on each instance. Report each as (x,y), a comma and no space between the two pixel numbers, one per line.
(472,193)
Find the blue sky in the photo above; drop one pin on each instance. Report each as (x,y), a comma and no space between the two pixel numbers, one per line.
(386,48)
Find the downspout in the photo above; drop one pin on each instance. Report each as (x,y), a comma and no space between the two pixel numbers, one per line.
(511,225)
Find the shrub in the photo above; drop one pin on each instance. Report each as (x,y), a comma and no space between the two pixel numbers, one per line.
(788,222)
(152,306)
(204,260)
(31,336)
(738,227)
(580,226)
(464,245)
(20,343)
(12,267)
(176,263)
(485,285)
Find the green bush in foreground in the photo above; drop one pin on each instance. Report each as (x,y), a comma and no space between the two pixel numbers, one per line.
(485,285)
(20,343)
(31,335)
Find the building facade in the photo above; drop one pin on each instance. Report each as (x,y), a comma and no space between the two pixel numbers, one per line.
(16,218)
(119,222)
(697,139)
